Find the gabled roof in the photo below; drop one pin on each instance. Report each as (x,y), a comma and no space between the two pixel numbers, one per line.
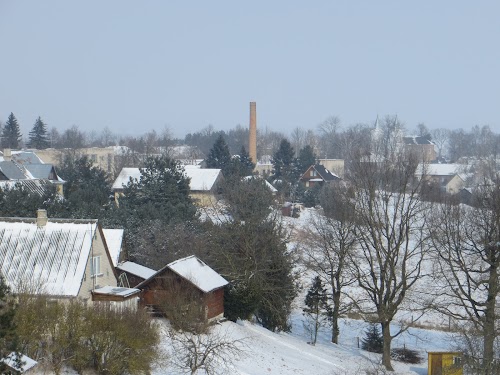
(267,183)
(440,169)
(114,239)
(417,140)
(195,271)
(124,177)
(33,186)
(13,171)
(324,173)
(54,256)
(23,157)
(201,179)
(40,170)
(136,269)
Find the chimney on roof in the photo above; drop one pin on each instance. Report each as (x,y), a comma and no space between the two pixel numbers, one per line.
(7,154)
(41,218)
(252,136)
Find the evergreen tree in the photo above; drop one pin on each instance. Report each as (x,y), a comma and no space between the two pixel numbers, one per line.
(11,134)
(373,340)
(219,155)
(86,190)
(306,159)
(317,308)
(38,136)
(8,335)
(284,162)
(241,165)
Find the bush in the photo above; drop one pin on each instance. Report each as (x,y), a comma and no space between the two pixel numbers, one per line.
(373,340)
(406,355)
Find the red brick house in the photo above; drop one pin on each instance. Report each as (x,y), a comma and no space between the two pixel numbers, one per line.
(188,275)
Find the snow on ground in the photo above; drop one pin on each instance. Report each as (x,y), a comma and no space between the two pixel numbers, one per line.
(266,352)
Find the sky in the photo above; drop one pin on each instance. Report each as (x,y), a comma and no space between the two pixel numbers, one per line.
(135,66)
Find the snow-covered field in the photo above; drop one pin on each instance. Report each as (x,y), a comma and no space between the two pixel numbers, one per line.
(266,352)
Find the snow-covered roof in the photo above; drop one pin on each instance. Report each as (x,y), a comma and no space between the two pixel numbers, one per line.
(124,177)
(198,273)
(53,256)
(441,169)
(269,186)
(116,291)
(12,361)
(201,179)
(114,238)
(136,269)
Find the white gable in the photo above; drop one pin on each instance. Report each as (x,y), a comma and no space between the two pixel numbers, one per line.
(114,238)
(136,269)
(201,179)
(53,257)
(197,272)
(124,177)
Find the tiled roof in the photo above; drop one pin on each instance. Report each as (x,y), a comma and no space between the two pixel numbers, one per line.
(54,256)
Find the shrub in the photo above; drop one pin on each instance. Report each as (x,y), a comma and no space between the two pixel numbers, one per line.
(406,355)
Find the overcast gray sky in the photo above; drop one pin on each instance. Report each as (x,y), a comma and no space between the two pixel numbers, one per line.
(134,66)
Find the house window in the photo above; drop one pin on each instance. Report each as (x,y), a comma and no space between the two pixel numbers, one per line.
(314,173)
(457,361)
(307,183)
(95,266)
(93,158)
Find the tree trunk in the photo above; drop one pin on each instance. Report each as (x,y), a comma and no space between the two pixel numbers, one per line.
(489,319)
(386,354)
(335,318)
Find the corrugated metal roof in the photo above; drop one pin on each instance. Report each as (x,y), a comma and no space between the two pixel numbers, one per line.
(39,170)
(12,170)
(53,257)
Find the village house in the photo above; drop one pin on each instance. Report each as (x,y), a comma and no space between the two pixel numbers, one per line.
(186,275)
(422,146)
(26,169)
(448,178)
(204,185)
(317,175)
(60,258)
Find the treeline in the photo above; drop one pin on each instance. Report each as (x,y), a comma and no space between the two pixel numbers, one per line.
(330,139)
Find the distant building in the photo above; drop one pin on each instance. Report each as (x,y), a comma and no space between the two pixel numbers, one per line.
(317,175)
(422,146)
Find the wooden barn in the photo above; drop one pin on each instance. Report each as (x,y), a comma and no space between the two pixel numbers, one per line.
(445,363)
(185,278)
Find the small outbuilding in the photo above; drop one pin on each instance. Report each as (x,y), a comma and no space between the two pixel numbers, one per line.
(445,363)
(186,276)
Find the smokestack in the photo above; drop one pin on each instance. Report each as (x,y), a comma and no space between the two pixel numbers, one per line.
(41,218)
(252,137)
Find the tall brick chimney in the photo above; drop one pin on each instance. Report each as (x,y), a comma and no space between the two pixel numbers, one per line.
(252,137)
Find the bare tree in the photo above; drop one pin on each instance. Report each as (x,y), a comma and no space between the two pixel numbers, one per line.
(329,242)
(298,137)
(467,245)
(212,352)
(440,138)
(389,214)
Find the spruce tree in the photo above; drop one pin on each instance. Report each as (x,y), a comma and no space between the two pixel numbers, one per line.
(284,161)
(11,134)
(241,165)
(316,309)
(306,159)
(219,155)
(38,136)
(8,336)
(373,340)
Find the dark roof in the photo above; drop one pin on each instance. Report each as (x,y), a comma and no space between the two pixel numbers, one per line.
(325,174)
(417,140)
(39,170)
(12,170)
